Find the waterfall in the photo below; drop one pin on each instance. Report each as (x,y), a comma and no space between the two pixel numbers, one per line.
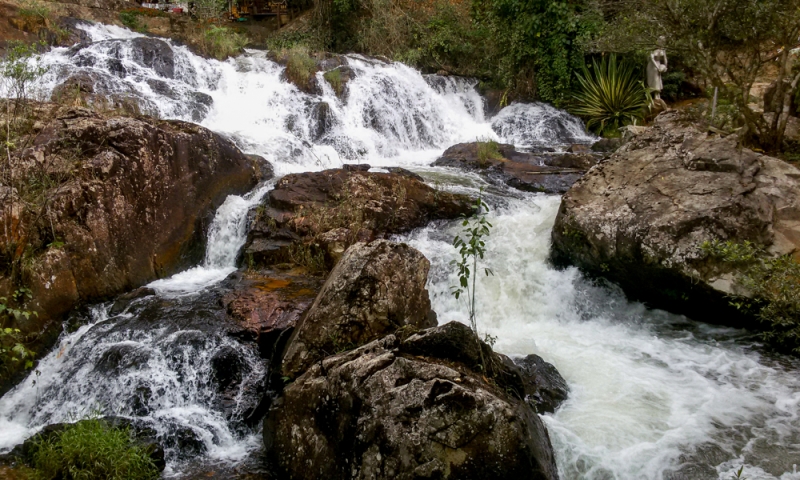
(653,395)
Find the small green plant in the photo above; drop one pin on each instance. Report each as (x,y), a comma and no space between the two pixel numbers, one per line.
(92,449)
(471,247)
(131,20)
(610,95)
(488,150)
(34,9)
(308,256)
(13,349)
(772,286)
(738,474)
(208,9)
(299,65)
(334,77)
(223,42)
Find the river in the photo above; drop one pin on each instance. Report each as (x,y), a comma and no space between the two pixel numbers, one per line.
(653,395)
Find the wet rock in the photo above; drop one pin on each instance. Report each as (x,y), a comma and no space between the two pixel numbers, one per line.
(324,120)
(130,203)
(530,172)
(377,412)
(325,212)
(154,53)
(374,290)
(606,145)
(266,307)
(641,217)
(122,357)
(123,301)
(545,388)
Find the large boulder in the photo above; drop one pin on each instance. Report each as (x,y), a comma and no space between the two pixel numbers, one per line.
(320,214)
(376,289)
(406,410)
(641,218)
(117,202)
(533,172)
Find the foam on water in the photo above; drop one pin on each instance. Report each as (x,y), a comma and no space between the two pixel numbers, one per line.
(652,394)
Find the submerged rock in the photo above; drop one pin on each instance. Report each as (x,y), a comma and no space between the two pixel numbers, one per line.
(376,289)
(502,163)
(381,412)
(641,218)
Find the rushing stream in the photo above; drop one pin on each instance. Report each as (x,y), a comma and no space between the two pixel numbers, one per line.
(653,395)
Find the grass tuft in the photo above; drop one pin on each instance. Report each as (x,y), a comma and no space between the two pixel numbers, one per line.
(92,450)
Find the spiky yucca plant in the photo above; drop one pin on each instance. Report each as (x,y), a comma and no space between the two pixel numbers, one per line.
(610,95)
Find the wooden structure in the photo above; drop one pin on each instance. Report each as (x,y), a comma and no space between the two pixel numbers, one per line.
(259,8)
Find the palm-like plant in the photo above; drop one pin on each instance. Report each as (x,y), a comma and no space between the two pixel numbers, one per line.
(610,96)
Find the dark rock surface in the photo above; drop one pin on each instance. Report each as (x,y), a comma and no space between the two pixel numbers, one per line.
(545,388)
(641,217)
(325,212)
(129,203)
(266,306)
(548,173)
(406,410)
(376,289)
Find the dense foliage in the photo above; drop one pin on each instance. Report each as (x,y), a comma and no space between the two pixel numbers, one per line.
(729,44)
(92,449)
(770,286)
(530,49)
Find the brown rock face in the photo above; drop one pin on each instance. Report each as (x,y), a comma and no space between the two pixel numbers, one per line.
(549,173)
(641,217)
(378,412)
(110,203)
(328,211)
(268,305)
(374,290)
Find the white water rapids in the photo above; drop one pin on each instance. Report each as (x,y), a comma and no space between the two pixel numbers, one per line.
(653,395)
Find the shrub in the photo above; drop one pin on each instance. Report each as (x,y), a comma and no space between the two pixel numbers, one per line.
(772,285)
(222,42)
(334,77)
(610,95)
(92,449)
(131,20)
(34,9)
(488,150)
(299,65)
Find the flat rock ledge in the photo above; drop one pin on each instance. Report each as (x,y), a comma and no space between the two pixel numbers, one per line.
(530,172)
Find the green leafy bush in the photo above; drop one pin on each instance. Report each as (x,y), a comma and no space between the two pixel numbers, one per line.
(222,42)
(299,65)
(488,150)
(92,449)
(772,285)
(131,20)
(610,95)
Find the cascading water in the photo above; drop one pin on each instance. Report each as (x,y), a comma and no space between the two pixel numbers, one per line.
(653,395)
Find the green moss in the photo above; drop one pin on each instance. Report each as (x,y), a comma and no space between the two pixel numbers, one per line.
(334,77)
